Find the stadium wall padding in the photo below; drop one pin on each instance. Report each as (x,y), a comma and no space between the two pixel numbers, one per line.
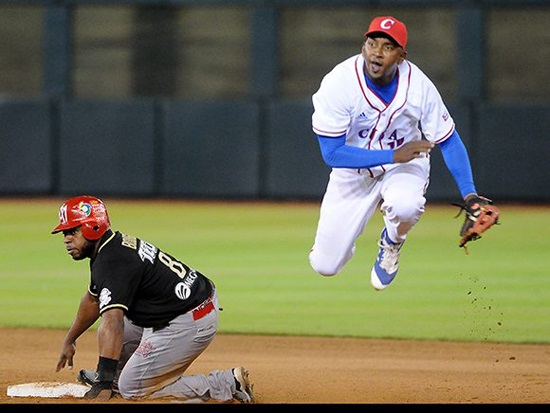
(236,149)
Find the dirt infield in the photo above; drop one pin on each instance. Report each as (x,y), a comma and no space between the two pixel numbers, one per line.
(302,370)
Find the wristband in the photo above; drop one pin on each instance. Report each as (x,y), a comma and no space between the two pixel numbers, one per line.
(106,369)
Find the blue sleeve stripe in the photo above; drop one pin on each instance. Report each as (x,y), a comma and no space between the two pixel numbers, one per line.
(456,158)
(337,154)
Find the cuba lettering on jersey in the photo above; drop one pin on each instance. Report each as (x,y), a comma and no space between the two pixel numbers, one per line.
(151,286)
(370,123)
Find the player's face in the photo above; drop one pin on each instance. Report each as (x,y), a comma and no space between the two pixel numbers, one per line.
(76,245)
(381,56)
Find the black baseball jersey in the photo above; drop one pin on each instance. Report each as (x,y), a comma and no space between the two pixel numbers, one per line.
(151,286)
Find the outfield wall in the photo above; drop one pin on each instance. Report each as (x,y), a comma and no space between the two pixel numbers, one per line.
(172,148)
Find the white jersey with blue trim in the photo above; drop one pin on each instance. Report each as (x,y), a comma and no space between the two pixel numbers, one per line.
(344,104)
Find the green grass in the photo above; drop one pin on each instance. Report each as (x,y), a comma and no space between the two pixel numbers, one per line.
(257,255)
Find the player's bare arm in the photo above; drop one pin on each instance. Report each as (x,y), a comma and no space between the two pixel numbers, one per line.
(86,316)
(111,333)
(412,150)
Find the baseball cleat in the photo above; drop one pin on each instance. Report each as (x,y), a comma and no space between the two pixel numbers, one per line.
(244,388)
(87,377)
(387,263)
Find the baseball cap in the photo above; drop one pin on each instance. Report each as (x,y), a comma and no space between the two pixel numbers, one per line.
(391,26)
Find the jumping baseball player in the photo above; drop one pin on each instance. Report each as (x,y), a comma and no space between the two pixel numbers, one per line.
(157,315)
(377,116)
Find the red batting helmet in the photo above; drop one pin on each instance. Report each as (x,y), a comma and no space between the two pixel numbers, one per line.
(86,211)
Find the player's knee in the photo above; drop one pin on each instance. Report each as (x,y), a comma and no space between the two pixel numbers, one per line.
(124,391)
(324,271)
(409,211)
(129,389)
(321,265)
(327,265)
(128,395)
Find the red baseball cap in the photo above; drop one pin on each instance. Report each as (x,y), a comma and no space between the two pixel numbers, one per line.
(391,26)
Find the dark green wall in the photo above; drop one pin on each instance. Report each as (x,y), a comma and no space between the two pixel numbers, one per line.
(234,149)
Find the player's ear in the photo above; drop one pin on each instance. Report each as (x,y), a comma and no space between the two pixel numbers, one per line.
(403,55)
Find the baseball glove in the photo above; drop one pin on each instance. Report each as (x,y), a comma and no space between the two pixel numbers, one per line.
(481,215)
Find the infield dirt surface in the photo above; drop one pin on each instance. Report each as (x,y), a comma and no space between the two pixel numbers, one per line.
(310,370)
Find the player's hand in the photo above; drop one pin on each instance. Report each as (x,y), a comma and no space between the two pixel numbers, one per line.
(66,357)
(101,391)
(412,150)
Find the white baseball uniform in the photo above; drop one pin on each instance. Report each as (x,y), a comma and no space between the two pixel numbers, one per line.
(344,104)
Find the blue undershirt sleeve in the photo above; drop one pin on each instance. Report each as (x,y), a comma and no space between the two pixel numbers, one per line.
(457,161)
(337,154)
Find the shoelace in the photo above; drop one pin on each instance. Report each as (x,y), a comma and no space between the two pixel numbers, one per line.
(390,256)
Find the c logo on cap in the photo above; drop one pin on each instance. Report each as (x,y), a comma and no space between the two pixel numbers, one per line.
(387,24)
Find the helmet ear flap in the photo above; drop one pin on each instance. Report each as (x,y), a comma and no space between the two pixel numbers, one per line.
(90,231)
(93,230)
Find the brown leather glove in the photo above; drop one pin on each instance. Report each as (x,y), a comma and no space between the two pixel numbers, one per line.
(481,215)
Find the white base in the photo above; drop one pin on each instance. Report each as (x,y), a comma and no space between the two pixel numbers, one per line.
(47,389)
